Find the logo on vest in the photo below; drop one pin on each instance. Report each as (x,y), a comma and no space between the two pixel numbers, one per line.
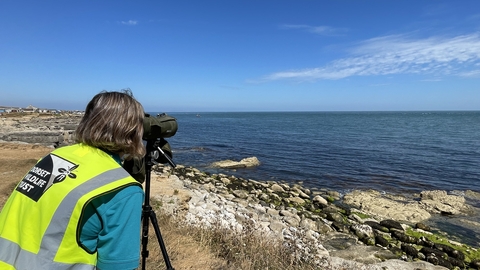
(48,171)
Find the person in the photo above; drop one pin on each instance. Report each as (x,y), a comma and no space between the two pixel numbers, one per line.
(77,208)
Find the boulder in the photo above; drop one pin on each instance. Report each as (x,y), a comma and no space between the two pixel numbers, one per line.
(438,201)
(372,202)
(362,231)
(230,164)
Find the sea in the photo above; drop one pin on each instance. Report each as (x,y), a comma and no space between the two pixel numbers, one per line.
(398,152)
(393,152)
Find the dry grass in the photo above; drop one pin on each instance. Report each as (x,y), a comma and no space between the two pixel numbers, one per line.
(183,250)
(191,247)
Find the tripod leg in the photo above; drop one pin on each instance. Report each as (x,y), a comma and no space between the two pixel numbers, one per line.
(149,214)
(153,218)
(145,225)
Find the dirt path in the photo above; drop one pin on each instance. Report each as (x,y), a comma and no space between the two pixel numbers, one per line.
(15,160)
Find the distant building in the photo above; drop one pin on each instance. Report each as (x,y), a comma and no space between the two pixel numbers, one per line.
(30,109)
(33,109)
(48,110)
(7,109)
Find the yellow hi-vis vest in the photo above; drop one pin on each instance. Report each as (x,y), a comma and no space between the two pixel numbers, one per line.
(39,224)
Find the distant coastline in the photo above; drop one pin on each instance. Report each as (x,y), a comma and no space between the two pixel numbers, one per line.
(32,109)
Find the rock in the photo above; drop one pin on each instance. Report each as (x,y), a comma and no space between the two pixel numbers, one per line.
(422,226)
(308,224)
(426,242)
(323,228)
(472,194)
(475,264)
(277,226)
(303,195)
(292,221)
(334,194)
(438,201)
(230,164)
(447,249)
(286,213)
(445,263)
(456,262)
(340,227)
(296,200)
(380,240)
(319,200)
(240,194)
(334,216)
(363,254)
(373,203)
(388,223)
(362,231)
(398,264)
(375,225)
(410,250)
(277,188)
(457,254)
(225,180)
(51,130)
(405,238)
(429,251)
(273,212)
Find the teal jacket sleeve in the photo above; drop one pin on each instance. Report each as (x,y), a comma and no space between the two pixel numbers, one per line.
(111,226)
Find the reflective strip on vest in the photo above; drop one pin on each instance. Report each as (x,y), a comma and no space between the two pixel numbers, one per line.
(54,234)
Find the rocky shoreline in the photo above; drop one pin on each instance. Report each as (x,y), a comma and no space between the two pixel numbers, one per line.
(324,227)
(358,230)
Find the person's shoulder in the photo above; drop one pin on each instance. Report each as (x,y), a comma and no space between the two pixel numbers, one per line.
(128,192)
(132,189)
(73,148)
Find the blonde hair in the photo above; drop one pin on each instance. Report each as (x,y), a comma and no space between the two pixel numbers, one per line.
(113,121)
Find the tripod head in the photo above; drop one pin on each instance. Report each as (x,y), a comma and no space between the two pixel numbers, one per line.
(159,151)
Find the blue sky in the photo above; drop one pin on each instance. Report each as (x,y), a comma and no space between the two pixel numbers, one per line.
(269,55)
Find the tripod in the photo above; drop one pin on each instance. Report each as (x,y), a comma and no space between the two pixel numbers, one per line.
(153,152)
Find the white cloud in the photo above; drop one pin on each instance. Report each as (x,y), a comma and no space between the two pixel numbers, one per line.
(323,30)
(399,55)
(432,80)
(129,22)
(471,73)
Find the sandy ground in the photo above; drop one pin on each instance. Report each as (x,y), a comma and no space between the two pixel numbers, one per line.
(16,159)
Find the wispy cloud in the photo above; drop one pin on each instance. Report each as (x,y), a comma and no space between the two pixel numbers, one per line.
(459,56)
(129,22)
(322,30)
(471,73)
(432,80)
